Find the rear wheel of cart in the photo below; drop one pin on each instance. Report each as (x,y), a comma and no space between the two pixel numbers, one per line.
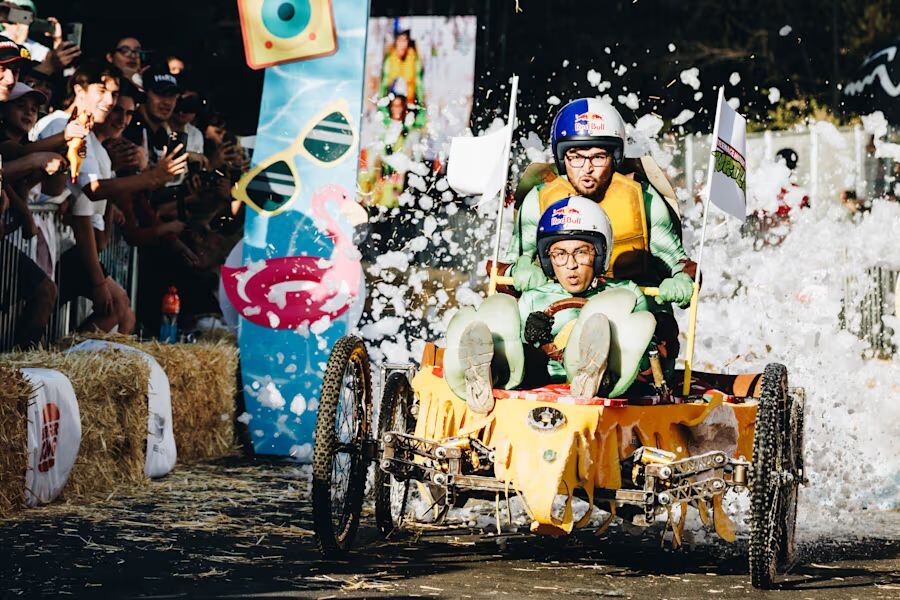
(342,430)
(773,481)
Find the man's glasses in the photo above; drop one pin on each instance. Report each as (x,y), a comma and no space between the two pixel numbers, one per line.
(129,51)
(582,256)
(577,160)
(274,184)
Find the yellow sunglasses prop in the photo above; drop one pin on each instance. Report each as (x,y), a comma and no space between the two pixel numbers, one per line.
(273,185)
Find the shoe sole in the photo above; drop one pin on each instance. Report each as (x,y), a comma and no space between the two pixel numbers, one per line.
(594,348)
(476,350)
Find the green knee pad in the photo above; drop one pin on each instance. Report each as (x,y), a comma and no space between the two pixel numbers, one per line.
(500,313)
(630,333)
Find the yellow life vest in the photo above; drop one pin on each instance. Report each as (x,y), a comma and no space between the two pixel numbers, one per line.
(624,203)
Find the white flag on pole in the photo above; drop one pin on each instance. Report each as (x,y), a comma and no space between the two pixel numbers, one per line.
(727,179)
(478,165)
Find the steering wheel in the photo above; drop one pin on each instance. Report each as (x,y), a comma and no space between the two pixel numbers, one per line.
(550,348)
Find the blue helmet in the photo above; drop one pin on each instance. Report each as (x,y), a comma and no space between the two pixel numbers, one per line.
(575,218)
(585,123)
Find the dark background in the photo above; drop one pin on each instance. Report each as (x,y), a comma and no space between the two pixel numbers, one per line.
(828,40)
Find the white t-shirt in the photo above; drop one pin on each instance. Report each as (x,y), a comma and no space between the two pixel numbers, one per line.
(96,166)
(38,51)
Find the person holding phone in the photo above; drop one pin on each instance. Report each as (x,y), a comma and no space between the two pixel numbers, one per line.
(150,125)
(52,58)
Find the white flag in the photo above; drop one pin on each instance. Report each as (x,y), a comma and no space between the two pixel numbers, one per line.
(478,165)
(727,182)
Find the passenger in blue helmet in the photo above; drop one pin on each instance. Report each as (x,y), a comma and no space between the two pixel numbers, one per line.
(588,144)
(598,347)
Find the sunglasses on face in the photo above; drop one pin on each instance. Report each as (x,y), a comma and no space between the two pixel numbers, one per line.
(274,184)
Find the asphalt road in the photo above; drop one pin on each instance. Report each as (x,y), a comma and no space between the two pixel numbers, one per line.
(233,529)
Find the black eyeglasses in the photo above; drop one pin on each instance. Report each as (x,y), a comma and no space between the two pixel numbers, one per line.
(578,160)
(129,51)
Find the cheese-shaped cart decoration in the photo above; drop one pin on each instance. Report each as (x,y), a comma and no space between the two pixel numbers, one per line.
(637,458)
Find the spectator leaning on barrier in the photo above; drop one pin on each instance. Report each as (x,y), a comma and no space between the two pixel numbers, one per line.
(93,90)
(33,287)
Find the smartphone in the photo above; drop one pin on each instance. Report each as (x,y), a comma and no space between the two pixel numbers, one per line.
(41,28)
(12,14)
(72,32)
(176,138)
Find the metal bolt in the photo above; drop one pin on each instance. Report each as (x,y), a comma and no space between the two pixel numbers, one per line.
(664,499)
(439,478)
(414,410)
(386,465)
(492,456)
(388,438)
(720,458)
(718,484)
(665,472)
(440,452)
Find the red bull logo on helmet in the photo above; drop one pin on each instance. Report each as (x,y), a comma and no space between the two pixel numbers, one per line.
(565,215)
(589,123)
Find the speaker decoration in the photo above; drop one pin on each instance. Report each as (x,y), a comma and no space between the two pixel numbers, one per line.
(281,31)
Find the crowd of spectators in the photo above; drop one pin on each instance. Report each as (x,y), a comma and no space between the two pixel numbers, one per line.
(114,142)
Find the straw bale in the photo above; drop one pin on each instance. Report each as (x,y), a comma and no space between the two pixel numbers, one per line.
(111,388)
(203,380)
(15,393)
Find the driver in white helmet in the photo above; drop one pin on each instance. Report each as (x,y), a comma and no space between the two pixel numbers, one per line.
(588,141)
(563,340)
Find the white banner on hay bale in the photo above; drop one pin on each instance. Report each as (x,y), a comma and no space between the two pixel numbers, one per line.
(161,451)
(54,435)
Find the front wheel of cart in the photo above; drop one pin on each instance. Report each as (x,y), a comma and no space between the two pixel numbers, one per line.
(400,500)
(773,481)
(339,460)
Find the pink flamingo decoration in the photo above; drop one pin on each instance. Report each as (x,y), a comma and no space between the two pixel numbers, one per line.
(295,291)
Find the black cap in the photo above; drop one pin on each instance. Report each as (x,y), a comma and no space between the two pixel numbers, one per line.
(160,81)
(11,52)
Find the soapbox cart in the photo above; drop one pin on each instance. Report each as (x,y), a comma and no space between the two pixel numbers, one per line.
(637,457)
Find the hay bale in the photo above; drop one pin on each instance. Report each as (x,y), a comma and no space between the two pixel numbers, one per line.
(203,380)
(111,387)
(15,392)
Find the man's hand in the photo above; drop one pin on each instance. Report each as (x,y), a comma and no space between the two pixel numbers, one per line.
(170,165)
(126,155)
(50,163)
(527,275)
(102,298)
(60,57)
(226,153)
(76,129)
(677,289)
(538,329)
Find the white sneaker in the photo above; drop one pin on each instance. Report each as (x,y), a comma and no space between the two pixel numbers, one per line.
(476,349)
(594,350)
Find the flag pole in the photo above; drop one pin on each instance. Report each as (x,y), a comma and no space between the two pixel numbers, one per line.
(492,286)
(695,294)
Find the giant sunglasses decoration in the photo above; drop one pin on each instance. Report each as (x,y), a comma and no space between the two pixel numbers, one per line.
(274,184)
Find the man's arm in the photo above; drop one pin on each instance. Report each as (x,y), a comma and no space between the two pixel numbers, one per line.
(525,223)
(665,239)
(163,172)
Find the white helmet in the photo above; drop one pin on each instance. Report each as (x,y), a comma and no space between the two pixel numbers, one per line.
(587,123)
(575,218)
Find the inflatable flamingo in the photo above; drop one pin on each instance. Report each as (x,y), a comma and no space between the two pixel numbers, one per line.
(296,291)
